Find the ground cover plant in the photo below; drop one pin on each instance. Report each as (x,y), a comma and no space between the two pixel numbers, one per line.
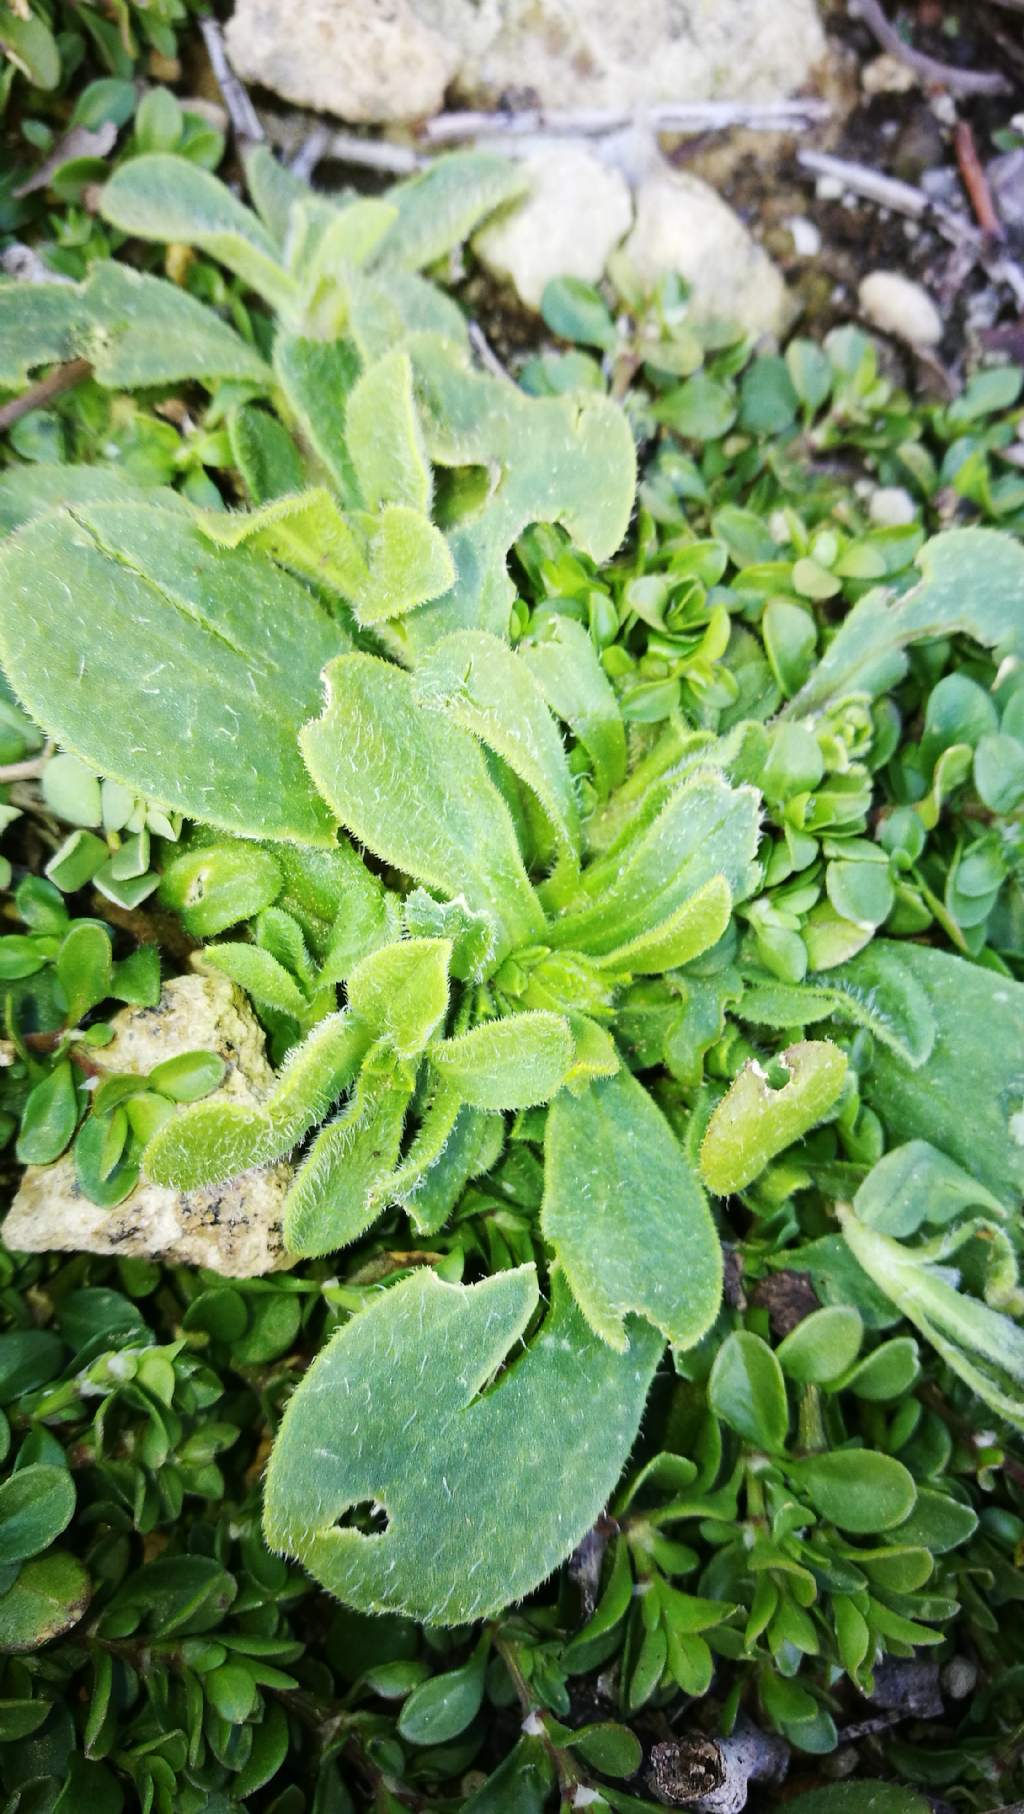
(616,833)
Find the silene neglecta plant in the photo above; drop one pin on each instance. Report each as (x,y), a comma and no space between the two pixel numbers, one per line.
(333,689)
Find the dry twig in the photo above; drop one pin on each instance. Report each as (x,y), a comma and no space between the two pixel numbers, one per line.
(958,81)
(245,121)
(485,352)
(63,378)
(28,770)
(595,122)
(295,133)
(975,181)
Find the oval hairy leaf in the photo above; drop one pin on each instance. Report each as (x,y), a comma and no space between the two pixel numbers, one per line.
(218,1138)
(415,791)
(626,1216)
(164,197)
(182,670)
(706,829)
(507,1064)
(479,683)
(757,1119)
(395,1411)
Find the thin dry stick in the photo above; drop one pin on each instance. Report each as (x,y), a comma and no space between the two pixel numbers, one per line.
(485,352)
(245,121)
(595,122)
(64,378)
(29,770)
(958,81)
(975,181)
(293,133)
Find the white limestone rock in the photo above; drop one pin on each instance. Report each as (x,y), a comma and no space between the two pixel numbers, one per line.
(899,306)
(684,225)
(389,60)
(575,212)
(365,60)
(234,1228)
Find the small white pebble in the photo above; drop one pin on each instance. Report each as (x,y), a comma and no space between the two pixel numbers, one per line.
(901,307)
(829,188)
(804,234)
(891,506)
(943,107)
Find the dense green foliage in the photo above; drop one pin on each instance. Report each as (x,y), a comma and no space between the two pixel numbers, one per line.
(632,902)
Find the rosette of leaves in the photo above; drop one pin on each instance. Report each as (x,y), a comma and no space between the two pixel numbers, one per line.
(493,970)
(487,1005)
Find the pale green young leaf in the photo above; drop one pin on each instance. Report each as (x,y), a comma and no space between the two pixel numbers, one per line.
(339,1190)
(416,792)
(691,930)
(594,1054)
(216,1139)
(453,1144)
(967,1100)
(401,992)
(316,377)
(566,667)
(221,667)
(758,1118)
(440,207)
(274,188)
(367,917)
(479,683)
(408,559)
(326,243)
(626,1216)
(382,565)
(971,583)
(432,1140)
(471,934)
(260,974)
(705,830)
(394,1411)
(265,454)
(507,1064)
(169,198)
(981,1345)
(384,436)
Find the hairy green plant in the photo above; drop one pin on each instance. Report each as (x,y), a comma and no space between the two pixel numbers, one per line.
(556,874)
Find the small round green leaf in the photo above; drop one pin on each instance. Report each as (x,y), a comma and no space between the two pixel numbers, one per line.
(857,1489)
(36,1504)
(746,1389)
(823,1346)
